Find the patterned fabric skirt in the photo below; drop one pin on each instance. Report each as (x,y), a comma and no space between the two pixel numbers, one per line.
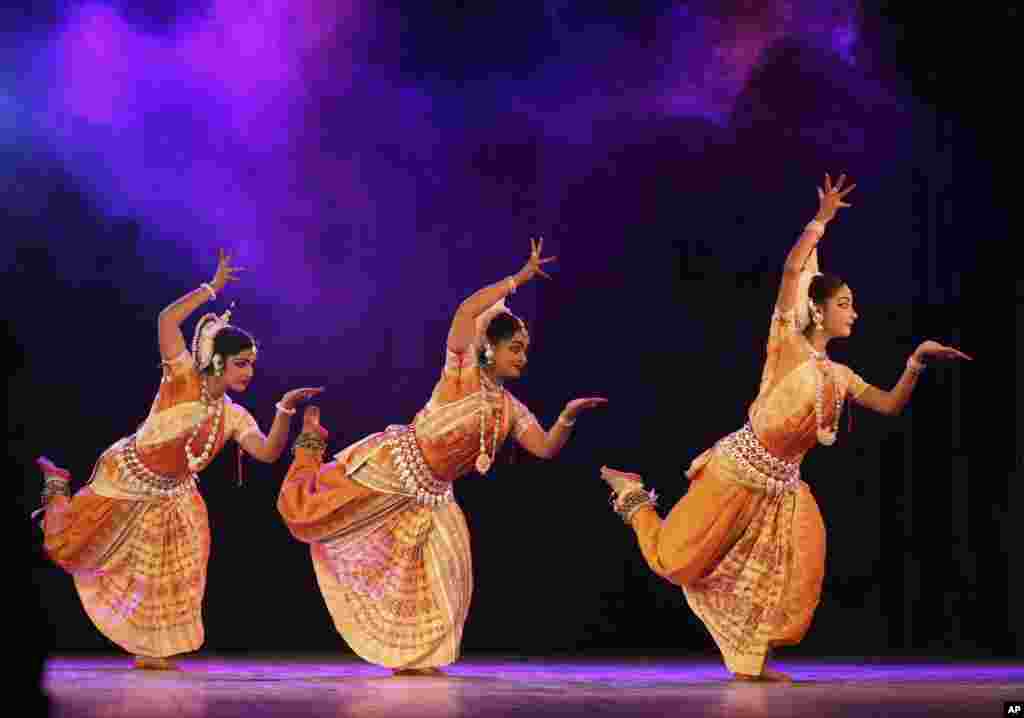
(751,563)
(139,565)
(396,575)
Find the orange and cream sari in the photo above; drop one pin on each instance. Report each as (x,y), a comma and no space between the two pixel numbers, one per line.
(392,557)
(747,541)
(136,538)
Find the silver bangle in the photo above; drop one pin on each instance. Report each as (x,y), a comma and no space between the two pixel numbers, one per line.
(512,285)
(283,410)
(209,288)
(816,226)
(565,422)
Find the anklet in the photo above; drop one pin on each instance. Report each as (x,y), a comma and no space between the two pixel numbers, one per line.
(633,502)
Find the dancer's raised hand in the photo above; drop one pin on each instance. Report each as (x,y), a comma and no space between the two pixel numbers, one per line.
(534,263)
(830,198)
(225,271)
(931,351)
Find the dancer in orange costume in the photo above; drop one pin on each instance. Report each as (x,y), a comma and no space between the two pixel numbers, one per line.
(136,538)
(747,542)
(389,544)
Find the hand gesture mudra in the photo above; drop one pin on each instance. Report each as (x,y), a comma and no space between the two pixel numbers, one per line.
(931,351)
(830,199)
(533,264)
(225,272)
(297,396)
(576,406)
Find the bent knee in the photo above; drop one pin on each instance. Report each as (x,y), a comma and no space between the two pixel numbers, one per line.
(681,567)
(60,552)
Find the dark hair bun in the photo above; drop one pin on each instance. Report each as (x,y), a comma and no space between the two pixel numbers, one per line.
(502,326)
(823,287)
(230,341)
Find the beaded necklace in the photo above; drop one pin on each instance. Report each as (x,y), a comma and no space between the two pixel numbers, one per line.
(485,461)
(826,436)
(194,462)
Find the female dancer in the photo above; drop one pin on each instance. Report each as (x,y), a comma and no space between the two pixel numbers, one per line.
(389,544)
(136,538)
(747,543)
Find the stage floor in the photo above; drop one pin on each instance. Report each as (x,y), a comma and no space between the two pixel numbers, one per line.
(529,687)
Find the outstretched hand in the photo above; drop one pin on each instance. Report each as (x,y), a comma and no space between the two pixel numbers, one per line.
(930,351)
(296,396)
(576,406)
(830,199)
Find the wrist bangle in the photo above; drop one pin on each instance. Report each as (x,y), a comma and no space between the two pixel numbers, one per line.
(209,288)
(816,226)
(511,285)
(914,365)
(284,410)
(565,422)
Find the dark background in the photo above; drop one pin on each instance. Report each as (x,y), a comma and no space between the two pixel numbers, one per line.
(671,230)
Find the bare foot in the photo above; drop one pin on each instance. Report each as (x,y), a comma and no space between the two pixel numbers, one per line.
(773,676)
(311,422)
(51,469)
(767,676)
(621,482)
(418,672)
(148,663)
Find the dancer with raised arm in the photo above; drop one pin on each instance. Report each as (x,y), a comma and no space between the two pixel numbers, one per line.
(389,544)
(136,538)
(747,542)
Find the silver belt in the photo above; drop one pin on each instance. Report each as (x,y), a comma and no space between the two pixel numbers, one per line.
(774,474)
(416,476)
(142,479)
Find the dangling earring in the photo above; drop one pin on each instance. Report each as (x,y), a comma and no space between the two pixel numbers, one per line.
(819,318)
(488,355)
(218,365)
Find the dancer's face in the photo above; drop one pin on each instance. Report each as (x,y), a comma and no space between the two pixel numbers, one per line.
(510,356)
(839,313)
(238,370)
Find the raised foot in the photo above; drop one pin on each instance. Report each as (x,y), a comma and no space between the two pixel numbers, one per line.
(621,482)
(418,672)
(51,469)
(148,663)
(311,422)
